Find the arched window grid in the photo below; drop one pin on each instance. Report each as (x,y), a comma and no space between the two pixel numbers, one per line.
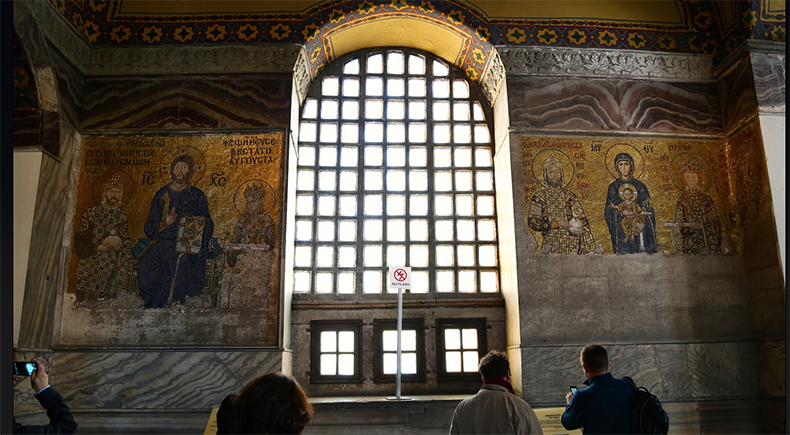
(395,168)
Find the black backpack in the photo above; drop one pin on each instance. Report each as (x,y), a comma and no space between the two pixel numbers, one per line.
(649,415)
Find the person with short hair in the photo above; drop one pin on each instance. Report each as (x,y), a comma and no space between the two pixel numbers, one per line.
(495,408)
(60,419)
(270,404)
(606,406)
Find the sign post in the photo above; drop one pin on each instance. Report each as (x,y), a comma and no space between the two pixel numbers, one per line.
(400,278)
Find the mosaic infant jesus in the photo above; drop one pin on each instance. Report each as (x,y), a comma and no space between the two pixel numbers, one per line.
(633,220)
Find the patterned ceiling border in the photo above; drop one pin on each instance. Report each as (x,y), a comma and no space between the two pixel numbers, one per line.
(605,63)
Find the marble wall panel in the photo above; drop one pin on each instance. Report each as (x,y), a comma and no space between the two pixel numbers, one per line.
(153,379)
(260,101)
(731,417)
(770,81)
(664,107)
(70,83)
(737,93)
(27,128)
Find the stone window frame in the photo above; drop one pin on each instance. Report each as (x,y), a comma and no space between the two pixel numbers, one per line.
(478,323)
(379,326)
(319,326)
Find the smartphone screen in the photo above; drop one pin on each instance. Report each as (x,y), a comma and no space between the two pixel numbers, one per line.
(573,389)
(24,368)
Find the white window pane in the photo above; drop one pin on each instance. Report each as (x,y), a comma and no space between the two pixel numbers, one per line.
(441,111)
(327,156)
(348,182)
(374,109)
(469,338)
(441,133)
(396,110)
(347,231)
(466,230)
(346,256)
(408,340)
(328,133)
(481,134)
(462,133)
(325,256)
(463,181)
(419,281)
(305,180)
(345,365)
(440,69)
(442,157)
(374,86)
(444,230)
(329,109)
(482,156)
(417,110)
(485,205)
(416,64)
(441,88)
(466,255)
(345,341)
(418,257)
(418,181)
(348,204)
(486,230)
(372,230)
(373,205)
(330,86)
(310,108)
(396,181)
(326,205)
(373,156)
(323,282)
(445,255)
(395,62)
(445,281)
(463,156)
(372,256)
(374,180)
(328,341)
(418,230)
(485,180)
(418,156)
(443,181)
(478,112)
(396,87)
(389,340)
(371,282)
(375,64)
(396,255)
(306,156)
(464,205)
(304,230)
(303,256)
(461,111)
(350,87)
(488,257)
(348,156)
(418,133)
(304,205)
(351,67)
(444,205)
(460,89)
(346,282)
(408,363)
(452,339)
(350,110)
(396,205)
(470,362)
(328,364)
(452,362)
(349,133)
(396,133)
(374,132)
(467,281)
(390,364)
(301,282)
(489,282)
(326,180)
(417,87)
(326,231)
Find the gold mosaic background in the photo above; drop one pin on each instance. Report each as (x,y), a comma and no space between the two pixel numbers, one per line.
(731,174)
(225,164)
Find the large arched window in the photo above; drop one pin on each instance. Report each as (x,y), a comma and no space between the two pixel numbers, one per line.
(395,168)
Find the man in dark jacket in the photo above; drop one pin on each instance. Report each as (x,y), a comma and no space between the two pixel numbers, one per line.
(606,406)
(60,419)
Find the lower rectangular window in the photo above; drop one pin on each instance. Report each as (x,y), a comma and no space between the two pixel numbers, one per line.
(335,351)
(385,342)
(460,343)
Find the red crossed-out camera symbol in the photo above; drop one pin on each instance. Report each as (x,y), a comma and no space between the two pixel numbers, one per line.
(400,275)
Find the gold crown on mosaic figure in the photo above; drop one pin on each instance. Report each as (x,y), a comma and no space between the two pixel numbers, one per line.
(113,182)
(690,165)
(254,191)
(551,162)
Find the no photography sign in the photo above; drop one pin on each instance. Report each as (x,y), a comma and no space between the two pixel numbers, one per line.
(400,277)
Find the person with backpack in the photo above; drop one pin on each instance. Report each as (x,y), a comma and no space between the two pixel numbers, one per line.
(606,406)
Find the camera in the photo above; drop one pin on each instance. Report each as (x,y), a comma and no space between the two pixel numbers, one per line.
(24,368)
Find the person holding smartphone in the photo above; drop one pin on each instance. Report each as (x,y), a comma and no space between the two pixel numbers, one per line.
(60,419)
